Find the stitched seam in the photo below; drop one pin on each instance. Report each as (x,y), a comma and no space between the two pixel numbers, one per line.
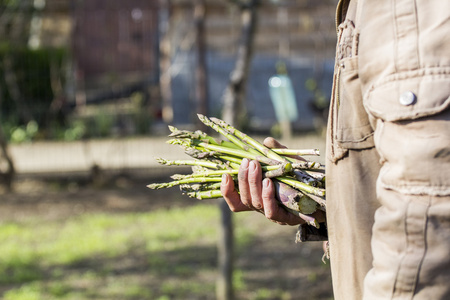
(415,251)
(419,265)
(402,259)
(415,189)
(417,33)
(354,127)
(355,141)
(405,23)
(424,72)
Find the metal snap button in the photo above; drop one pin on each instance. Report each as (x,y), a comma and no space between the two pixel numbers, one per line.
(407,98)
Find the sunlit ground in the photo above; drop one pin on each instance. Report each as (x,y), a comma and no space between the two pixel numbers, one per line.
(134,243)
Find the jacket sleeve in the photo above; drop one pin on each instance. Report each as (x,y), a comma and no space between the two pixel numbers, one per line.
(404,62)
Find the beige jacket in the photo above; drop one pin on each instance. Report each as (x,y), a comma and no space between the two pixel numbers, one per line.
(388,153)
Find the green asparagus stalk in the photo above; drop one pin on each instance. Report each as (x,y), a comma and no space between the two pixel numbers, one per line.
(201,195)
(299,183)
(202,163)
(229,158)
(248,140)
(304,177)
(157,186)
(319,199)
(316,174)
(199,135)
(301,152)
(298,164)
(207,173)
(220,149)
(228,135)
(197,187)
(302,186)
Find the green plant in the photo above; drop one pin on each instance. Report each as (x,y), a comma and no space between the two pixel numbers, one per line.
(299,183)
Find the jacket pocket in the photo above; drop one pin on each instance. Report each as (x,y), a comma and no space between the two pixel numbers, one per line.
(353,130)
(349,124)
(412,113)
(410,95)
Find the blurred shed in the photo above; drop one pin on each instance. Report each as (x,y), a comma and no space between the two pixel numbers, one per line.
(116,55)
(301,33)
(117,48)
(115,42)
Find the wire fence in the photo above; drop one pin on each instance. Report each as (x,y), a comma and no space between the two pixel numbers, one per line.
(80,80)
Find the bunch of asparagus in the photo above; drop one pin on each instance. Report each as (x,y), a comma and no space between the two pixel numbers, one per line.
(300,184)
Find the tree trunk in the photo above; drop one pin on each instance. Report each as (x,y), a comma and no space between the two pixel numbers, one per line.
(8,175)
(234,111)
(201,70)
(226,254)
(165,50)
(14,90)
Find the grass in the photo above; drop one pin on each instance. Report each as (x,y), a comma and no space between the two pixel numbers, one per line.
(119,244)
(76,258)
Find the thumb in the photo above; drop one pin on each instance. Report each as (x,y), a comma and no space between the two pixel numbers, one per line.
(270,142)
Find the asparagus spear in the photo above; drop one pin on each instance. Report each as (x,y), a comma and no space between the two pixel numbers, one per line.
(201,195)
(196,144)
(228,135)
(299,183)
(248,140)
(157,186)
(301,152)
(202,163)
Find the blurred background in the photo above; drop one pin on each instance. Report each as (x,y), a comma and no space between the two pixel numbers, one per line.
(87,89)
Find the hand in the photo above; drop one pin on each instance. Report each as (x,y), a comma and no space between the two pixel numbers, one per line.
(257,194)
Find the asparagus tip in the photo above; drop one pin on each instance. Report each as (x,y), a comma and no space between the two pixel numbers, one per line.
(178,142)
(288,167)
(314,223)
(153,186)
(161,160)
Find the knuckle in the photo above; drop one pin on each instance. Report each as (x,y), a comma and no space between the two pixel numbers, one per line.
(269,142)
(270,214)
(242,176)
(225,192)
(246,202)
(266,195)
(233,209)
(253,180)
(257,206)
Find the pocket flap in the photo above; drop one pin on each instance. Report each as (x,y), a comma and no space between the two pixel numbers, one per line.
(409,96)
(353,129)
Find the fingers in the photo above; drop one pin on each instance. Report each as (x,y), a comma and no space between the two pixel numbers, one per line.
(231,196)
(250,187)
(270,142)
(244,188)
(255,194)
(250,184)
(272,210)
